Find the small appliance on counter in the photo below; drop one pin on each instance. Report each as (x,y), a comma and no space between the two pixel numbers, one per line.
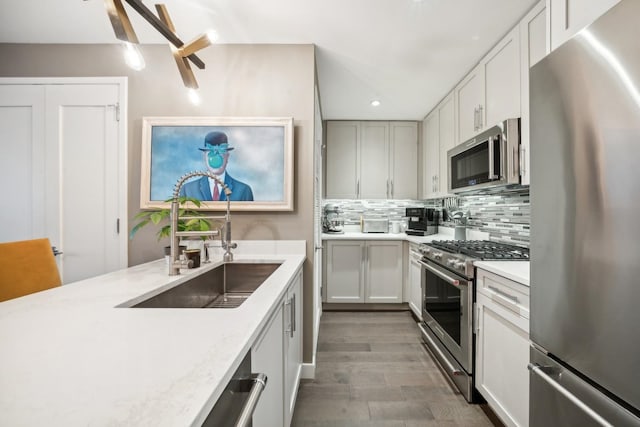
(331,220)
(422,221)
(374,225)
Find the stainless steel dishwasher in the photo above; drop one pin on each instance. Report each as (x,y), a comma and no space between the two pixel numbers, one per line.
(237,402)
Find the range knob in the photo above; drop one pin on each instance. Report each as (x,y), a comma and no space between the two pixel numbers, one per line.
(437,255)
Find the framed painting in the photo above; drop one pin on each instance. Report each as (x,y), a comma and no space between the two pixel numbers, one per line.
(253,156)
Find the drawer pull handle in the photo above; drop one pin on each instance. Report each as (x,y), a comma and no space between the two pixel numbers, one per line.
(502,294)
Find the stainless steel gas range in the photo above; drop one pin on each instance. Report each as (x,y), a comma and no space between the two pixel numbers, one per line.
(448,298)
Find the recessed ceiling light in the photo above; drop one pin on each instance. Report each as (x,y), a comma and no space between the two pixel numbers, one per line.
(375,103)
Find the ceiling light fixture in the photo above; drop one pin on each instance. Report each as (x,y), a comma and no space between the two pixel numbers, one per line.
(375,103)
(184,54)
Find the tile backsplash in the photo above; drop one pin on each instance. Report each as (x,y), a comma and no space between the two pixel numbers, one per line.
(504,213)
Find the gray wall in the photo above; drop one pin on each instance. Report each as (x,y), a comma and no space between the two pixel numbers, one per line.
(239,80)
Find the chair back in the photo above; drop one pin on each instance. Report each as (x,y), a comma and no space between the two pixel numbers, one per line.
(27,266)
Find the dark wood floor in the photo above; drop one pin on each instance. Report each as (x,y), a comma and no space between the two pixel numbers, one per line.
(372,371)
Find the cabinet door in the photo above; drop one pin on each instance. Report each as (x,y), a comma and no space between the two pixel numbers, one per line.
(502,80)
(470,104)
(267,355)
(501,362)
(446,132)
(383,277)
(570,16)
(345,278)
(374,160)
(293,346)
(534,45)
(431,150)
(404,160)
(342,160)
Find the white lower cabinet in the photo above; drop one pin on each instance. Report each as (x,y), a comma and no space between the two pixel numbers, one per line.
(364,271)
(293,345)
(267,356)
(502,347)
(278,354)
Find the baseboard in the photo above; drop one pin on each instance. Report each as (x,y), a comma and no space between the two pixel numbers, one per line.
(329,306)
(309,370)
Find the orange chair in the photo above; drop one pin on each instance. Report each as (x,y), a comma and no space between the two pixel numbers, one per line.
(26,267)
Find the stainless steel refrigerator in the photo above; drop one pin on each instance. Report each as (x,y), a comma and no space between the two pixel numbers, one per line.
(585,231)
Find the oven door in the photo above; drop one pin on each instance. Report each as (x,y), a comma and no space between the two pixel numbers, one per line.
(447,310)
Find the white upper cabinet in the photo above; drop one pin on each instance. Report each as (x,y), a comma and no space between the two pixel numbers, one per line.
(372,160)
(342,170)
(570,16)
(439,129)
(502,81)
(534,45)
(447,140)
(430,154)
(491,92)
(403,176)
(469,96)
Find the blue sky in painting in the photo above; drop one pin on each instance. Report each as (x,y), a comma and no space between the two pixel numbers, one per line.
(257,158)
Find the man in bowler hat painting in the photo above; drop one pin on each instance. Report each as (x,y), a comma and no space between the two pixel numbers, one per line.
(216,155)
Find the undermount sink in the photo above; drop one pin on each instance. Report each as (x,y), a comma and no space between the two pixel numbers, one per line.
(226,286)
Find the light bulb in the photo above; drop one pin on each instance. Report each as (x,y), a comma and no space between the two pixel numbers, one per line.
(375,103)
(212,35)
(132,56)
(194,96)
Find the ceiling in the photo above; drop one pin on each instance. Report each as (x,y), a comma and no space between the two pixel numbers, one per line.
(406,53)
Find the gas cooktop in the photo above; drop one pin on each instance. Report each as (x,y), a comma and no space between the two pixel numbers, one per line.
(459,255)
(482,249)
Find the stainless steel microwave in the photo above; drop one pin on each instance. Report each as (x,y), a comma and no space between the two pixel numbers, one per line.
(491,158)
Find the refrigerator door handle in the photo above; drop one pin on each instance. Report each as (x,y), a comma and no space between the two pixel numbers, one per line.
(539,371)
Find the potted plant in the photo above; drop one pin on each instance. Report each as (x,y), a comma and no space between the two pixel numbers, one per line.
(162,216)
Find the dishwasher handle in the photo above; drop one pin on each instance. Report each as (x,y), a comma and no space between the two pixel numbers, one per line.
(259,383)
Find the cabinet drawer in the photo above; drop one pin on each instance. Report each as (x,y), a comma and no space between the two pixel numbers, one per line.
(512,295)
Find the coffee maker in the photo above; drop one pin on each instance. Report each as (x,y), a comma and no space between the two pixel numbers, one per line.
(331,221)
(422,221)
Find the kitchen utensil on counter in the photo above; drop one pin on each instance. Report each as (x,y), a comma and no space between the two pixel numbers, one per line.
(459,219)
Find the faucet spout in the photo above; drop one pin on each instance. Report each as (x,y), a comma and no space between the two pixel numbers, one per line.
(174,263)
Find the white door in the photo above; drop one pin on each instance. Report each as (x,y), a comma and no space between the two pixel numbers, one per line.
(446,140)
(469,104)
(22,162)
(76,172)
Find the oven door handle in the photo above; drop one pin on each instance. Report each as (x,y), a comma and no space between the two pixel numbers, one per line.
(440,274)
(492,173)
(452,369)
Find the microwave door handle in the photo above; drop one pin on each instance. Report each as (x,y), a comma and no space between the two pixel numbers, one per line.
(492,174)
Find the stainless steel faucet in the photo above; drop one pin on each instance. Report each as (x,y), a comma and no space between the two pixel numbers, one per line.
(176,264)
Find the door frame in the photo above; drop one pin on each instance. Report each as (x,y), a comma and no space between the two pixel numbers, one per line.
(122,83)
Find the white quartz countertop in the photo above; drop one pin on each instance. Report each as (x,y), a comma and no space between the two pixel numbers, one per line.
(517,271)
(71,357)
(444,233)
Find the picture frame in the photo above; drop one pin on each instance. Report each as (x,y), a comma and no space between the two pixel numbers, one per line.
(258,167)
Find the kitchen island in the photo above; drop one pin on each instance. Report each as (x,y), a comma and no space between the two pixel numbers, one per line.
(75,355)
